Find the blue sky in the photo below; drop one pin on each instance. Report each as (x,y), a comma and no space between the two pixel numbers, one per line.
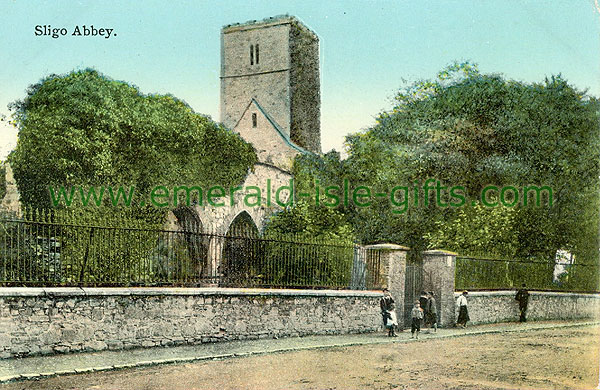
(369,49)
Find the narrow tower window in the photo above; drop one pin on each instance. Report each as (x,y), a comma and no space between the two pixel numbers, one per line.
(256,52)
(251,54)
(254,119)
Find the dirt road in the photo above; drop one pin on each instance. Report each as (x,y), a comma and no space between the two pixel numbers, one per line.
(547,359)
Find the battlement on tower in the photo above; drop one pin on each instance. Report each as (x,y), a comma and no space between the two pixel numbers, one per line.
(268,22)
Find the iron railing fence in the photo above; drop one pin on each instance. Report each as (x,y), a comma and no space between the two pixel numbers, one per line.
(268,262)
(475,273)
(40,252)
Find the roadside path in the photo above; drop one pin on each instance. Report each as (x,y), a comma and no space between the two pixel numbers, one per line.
(44,366)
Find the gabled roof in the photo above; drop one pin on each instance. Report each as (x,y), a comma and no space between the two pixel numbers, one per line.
(275,125)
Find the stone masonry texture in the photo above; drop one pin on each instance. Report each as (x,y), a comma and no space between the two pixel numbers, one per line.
(305,88)
(37,321)
(438,276)
(501,306)
(60,320)
(10,203)
(393,266)
(285,82)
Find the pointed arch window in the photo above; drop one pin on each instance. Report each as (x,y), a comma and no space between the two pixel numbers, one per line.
(254,119)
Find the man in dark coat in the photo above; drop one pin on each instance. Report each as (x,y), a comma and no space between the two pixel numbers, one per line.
(523,298)
(388,311)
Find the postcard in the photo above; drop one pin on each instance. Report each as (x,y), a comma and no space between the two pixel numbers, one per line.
(299,195)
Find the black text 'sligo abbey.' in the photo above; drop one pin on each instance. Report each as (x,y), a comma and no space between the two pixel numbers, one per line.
(77,31)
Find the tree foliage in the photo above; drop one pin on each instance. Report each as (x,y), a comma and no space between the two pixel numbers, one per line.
(469,129)
(83,128)
(472,129)
(309,218)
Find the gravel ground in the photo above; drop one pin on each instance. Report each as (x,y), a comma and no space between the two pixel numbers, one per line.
(542,359)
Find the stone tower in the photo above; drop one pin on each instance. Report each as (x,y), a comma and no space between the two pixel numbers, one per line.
(273,66)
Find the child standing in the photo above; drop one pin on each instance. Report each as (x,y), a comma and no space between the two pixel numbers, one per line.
(417,316)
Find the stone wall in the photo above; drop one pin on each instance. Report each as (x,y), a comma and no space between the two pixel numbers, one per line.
(501,306)
(60,320)
(216,219)
(267,81)
(271,91)
(269,142)
(305,88)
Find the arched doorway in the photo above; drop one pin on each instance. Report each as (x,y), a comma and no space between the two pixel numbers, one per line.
(195,242)
(242,250)
(182,257)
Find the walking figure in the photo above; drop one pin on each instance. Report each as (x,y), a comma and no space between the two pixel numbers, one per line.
(416,315)
(463,312)
(523,298)
(388,312)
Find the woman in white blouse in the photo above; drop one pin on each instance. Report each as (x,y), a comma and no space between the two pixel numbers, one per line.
(463,312)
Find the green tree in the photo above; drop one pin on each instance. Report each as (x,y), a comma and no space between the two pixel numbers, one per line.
(471,129)
(83,128)
(312,218)
(327,255)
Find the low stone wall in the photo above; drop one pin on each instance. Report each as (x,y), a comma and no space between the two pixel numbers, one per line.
(501,306)
(60,320)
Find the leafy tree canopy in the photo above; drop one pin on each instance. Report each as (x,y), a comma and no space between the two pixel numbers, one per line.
(83,128)
(470,129)
(309,219)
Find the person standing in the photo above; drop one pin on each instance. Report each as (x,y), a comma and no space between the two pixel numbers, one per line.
(416,315)
(523,298)
(388,312)
(463,312)
(432,310)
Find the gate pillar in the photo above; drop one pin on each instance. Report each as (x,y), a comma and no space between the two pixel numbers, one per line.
(438,276)
(393,268)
